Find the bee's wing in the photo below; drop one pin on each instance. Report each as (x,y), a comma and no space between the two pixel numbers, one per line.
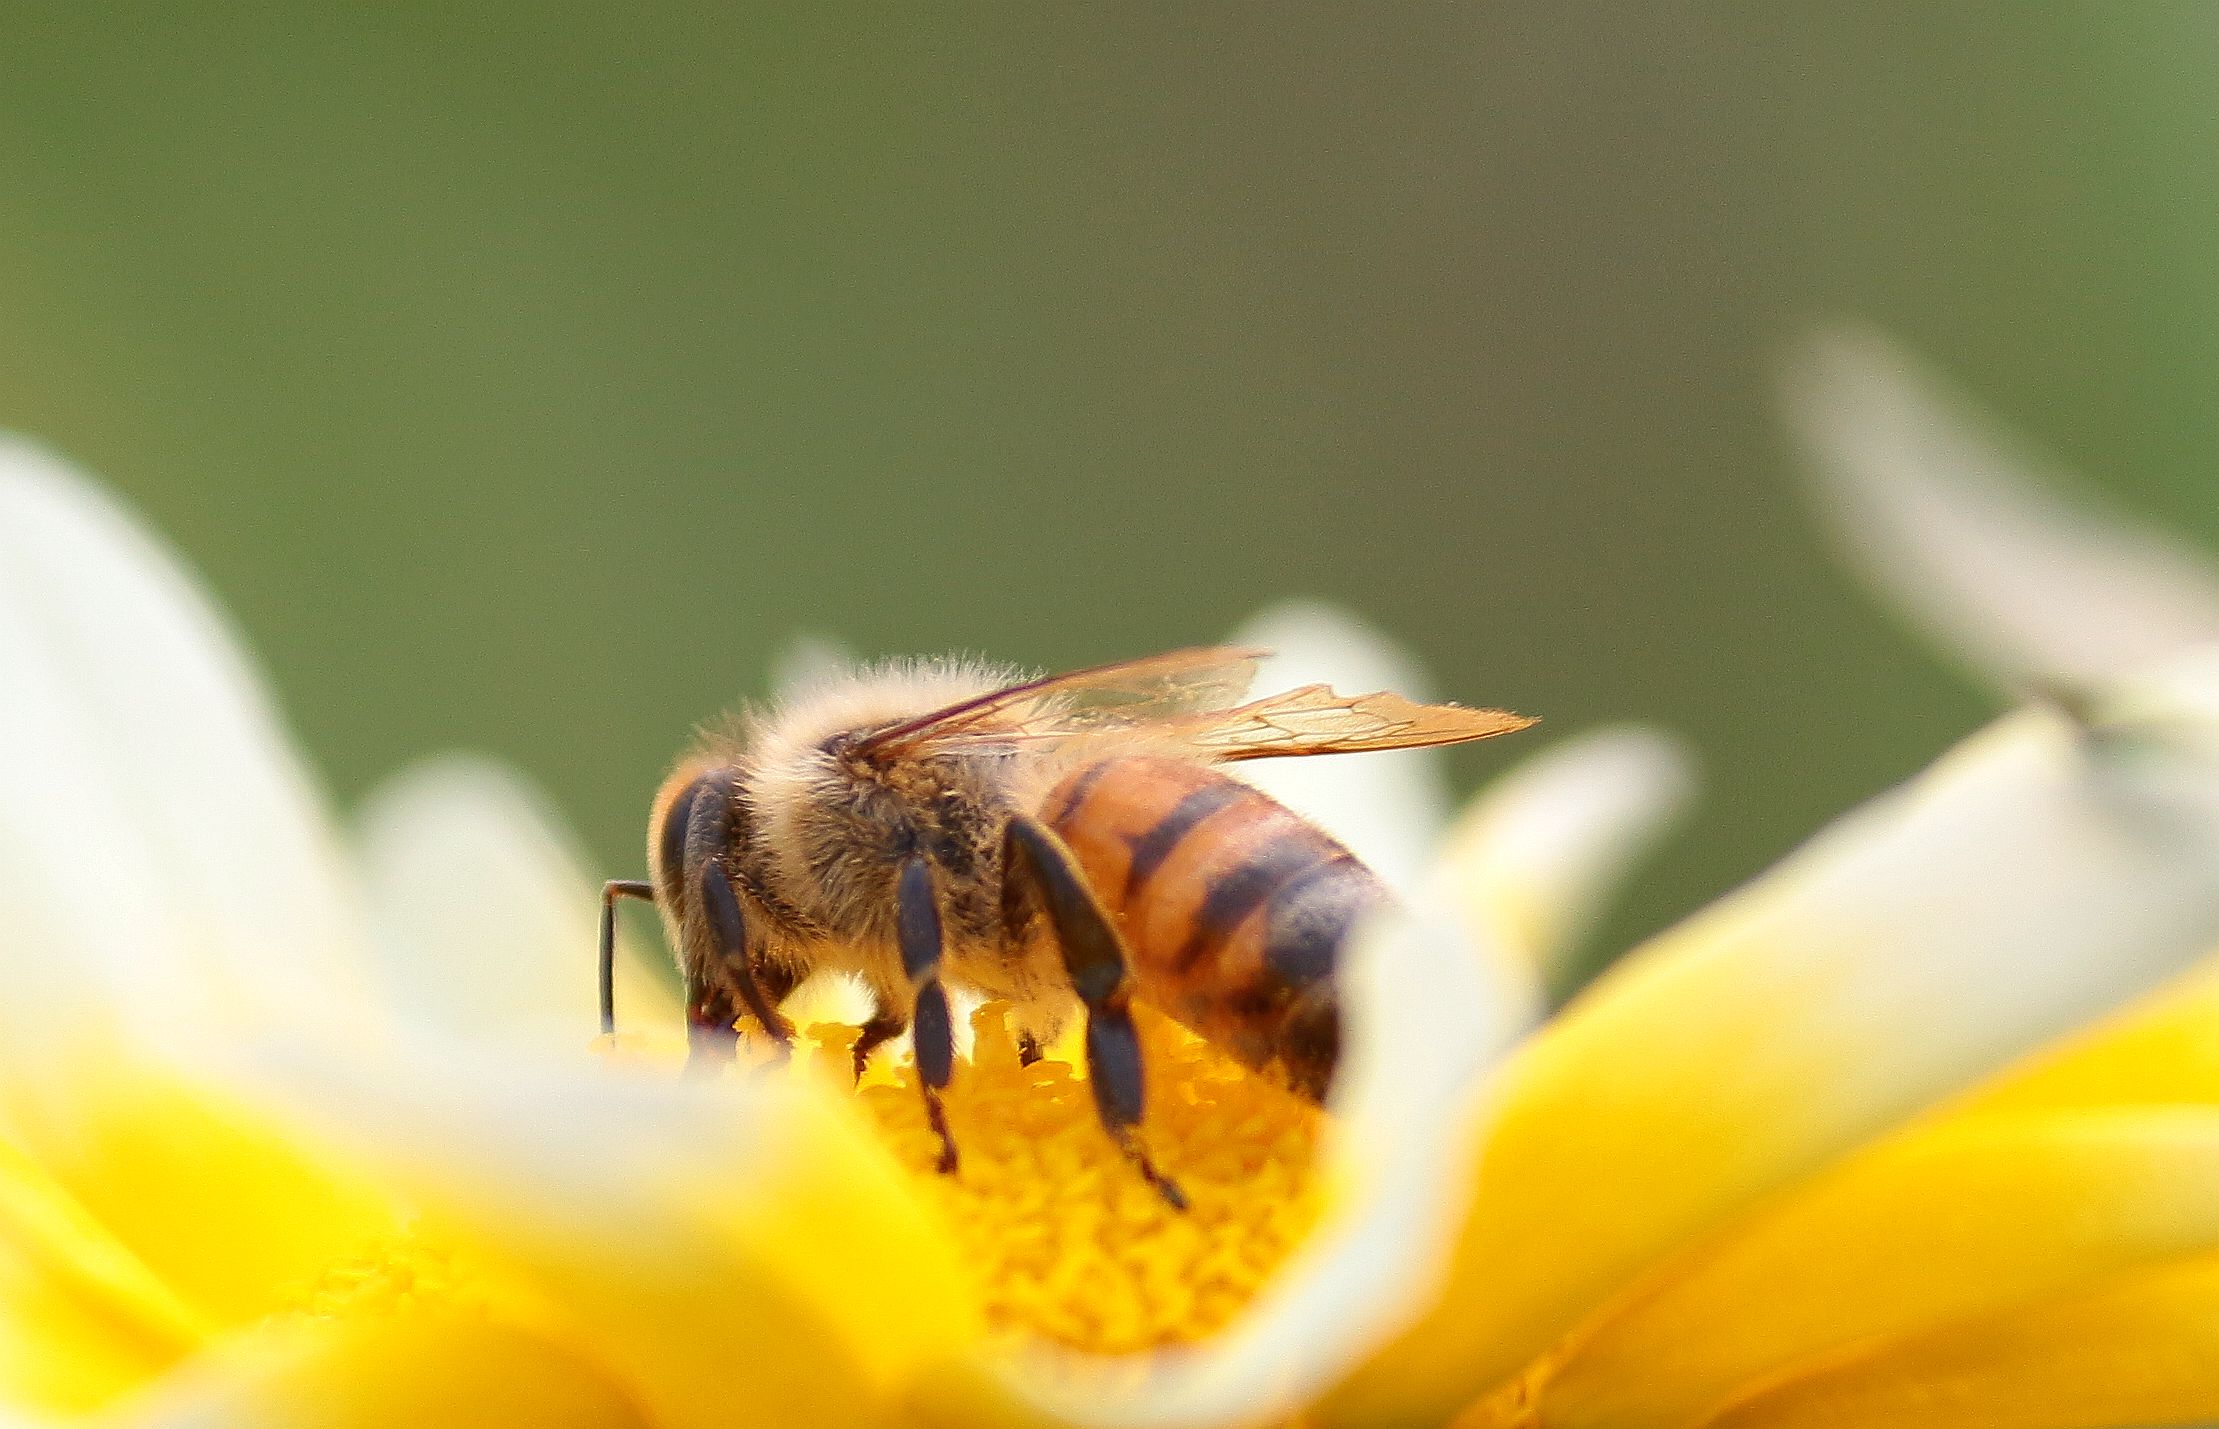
(1188,696)
(1316,719)
(1154,691)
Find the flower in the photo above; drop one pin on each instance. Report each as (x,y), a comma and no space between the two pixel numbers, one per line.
(294,1133)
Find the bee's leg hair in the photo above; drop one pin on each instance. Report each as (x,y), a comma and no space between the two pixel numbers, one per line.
(917,924)
(729,927)
(1094,958)
(883,1027)
(614,889)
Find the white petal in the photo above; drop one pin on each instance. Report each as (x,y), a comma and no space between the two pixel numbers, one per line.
(162,854)
(487,922)
(2020,573)
(1388,808)
(1535,856)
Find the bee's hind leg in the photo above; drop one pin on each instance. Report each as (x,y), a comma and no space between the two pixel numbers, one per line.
(917,923)
(1094,958)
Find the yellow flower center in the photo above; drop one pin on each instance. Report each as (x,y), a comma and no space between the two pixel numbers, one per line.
(1068,1243)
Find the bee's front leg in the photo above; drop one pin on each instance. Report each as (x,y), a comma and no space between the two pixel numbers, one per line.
(709,1008)
(917,921)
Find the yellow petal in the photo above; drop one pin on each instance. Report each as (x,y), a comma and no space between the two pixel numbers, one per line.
(1970,1217)
(2035,878)
(739,1252)
(430,1371)
(2014,569)
(82,1320)
(226,1210)
(2141,1350)
(486,918)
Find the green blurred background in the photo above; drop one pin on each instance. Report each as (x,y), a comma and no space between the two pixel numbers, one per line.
(524,379)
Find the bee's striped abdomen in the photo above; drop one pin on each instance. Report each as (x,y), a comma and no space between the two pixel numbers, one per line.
(1234,908)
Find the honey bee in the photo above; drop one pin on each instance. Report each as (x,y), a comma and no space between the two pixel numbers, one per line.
(1059,844)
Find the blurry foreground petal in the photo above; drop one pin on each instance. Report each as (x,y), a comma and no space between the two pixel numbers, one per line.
(2030,579)
(226,1209)
(425,1371)
(82,1319)
(486,920)
(159,845)
(1539,851)
(170,882)
(737,1253)
(2035,877)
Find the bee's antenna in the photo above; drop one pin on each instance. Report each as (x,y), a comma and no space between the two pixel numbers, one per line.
(614,889)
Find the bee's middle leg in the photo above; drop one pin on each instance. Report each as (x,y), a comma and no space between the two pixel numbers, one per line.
(917,924)
(1094,958)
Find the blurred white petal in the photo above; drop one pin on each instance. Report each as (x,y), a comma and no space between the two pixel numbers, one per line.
(1536,855)
(162,854)
(2024,575)
(487,921)
(1389,808)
